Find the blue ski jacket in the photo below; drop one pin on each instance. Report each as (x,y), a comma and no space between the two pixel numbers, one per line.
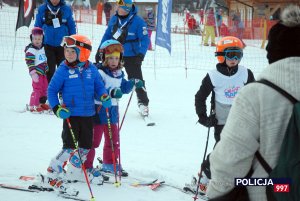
(112,79)
(137,40)
(44,19)
(79,87)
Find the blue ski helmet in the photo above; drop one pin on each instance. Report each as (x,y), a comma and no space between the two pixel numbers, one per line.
(110,46)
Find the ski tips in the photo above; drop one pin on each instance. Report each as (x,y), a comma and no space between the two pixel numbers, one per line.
(151,124)
(93,199)
(135,184)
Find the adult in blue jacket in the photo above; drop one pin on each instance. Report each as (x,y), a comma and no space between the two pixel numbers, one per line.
(131,31)
(56,19)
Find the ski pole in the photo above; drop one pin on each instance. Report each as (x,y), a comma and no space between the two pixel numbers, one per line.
(127,108)
(82,164)
(117,184)
(201,168)
(120,170)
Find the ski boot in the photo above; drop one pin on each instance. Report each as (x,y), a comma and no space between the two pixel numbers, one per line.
(35,109)
(96,172)
(57,181)
(192,187)
(46,108)
(144,110)
(109,168)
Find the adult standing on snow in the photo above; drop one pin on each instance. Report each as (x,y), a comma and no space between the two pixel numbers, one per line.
(56,19)
(150,20)
(259,116)
(219,18)
(107,9)
(239,26)
(131,31)
(210,28)
(201,15)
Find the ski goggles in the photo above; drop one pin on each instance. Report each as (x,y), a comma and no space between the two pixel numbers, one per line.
(122,3)
(113,48)
(231,54)
(68,41)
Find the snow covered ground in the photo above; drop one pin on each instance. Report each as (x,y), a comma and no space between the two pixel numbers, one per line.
(172,150)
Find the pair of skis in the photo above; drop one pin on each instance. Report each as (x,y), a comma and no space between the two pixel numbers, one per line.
(27,109)
(156,184)
(152,185)
(37,189)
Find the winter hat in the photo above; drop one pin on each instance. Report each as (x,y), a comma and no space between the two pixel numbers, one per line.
(36,31)
(283,39)
(126,5)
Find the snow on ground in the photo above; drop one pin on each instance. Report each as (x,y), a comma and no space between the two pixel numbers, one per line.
(172,150)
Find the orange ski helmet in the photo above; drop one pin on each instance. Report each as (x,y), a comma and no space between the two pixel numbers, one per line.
(227,42)
(81,43)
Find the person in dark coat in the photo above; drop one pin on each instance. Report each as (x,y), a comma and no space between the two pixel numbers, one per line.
(107,9)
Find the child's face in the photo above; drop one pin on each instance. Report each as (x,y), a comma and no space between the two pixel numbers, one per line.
(113,62)
(70,54)
(232,63)
(55,2)
(37,40)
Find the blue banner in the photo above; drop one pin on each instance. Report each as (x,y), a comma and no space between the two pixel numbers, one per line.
(163,31)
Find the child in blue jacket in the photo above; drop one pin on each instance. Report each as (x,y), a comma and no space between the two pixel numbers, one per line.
(79,83)
(113,77)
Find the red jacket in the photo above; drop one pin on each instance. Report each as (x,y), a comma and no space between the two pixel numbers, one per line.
(210,20)
(192,23)
(201,13)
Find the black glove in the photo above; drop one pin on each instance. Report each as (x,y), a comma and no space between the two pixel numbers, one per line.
(210,121)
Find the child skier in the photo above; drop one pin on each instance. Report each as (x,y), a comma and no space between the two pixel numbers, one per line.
(117,85)
(36,61)
(79,83)
(224,82)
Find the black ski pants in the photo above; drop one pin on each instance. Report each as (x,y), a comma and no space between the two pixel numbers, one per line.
(133,67)
(82,128)
(55,55)
(217,134)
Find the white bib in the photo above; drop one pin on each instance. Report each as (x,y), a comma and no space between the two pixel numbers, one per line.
(227,87)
